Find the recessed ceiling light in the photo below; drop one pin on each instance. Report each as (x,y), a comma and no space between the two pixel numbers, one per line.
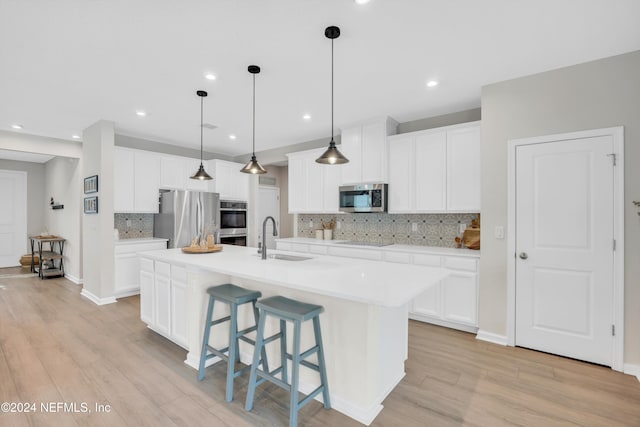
(307,117)
(432,83)
(75,136)
(210,76)
(141,113)
(362,1)
(232,136)
(16,126)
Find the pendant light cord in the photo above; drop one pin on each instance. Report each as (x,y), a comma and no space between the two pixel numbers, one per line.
(332,90)
(201,121)
(254,115)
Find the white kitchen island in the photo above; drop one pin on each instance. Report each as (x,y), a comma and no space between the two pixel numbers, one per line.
(364,326)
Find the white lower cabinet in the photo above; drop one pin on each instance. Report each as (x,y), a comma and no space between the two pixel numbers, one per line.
(163,300)
(452,302)
(126,278)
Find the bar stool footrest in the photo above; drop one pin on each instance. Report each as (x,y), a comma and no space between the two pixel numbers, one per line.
(309,397)
(268,377)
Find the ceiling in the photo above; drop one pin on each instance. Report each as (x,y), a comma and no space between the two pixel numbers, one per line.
(69,63)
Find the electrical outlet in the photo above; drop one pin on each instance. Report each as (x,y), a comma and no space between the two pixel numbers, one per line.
(310,223)
(499,232)
(414,226)
(128,223)
(338,225)
(463,227)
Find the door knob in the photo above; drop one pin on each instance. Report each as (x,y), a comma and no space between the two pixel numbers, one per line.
(523,255)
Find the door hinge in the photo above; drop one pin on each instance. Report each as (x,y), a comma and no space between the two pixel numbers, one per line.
(613,330)
(614,244)
(613,157)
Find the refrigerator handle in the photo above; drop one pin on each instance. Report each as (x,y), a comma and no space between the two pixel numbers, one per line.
(199,215)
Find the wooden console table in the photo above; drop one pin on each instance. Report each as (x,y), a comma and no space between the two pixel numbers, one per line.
(54,255)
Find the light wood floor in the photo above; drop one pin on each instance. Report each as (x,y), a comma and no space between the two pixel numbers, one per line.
(55,346)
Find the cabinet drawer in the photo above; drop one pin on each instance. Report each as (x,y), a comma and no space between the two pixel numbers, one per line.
(179,274)
(457,263)
(146,265)
(397,257)
(299,247)
(163,268)
(428,260)
(283,246)
(318,249)
(356,253)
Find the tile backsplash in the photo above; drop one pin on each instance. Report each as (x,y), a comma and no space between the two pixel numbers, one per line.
(431,229)
(134,225)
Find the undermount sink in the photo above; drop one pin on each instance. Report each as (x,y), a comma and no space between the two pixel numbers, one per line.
(288,257)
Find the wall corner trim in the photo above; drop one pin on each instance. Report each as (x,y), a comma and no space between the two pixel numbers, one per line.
(491,337)
(98,301)
(630,369)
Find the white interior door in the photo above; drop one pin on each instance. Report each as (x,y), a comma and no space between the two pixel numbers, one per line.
(13,217)
(268,205)
(564,248)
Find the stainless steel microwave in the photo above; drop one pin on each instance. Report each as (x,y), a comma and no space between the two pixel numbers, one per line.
(363,198)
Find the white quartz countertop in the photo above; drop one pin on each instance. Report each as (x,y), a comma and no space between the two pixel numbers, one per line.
(370,282)
(435,250)
(137,241)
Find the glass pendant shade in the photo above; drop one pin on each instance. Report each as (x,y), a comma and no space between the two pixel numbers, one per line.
(253,167)
(332,156)
(202,175)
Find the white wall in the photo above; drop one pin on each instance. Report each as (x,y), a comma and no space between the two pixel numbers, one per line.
(63,182)
(97,229)
(35,194)
(593,95)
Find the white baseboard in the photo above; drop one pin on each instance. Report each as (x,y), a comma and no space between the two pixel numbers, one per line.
(630,369)
(445,323)
(73,278)
(98,301)
(491,337)
(129,293)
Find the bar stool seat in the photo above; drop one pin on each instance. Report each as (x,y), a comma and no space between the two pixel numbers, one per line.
(234,296)
(287,309)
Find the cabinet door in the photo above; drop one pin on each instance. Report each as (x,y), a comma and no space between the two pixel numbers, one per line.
(162,304)
(374,152)
(179,315)
(224,179)
(314,186)
(127,272)
(190,168)
(401,182)
(430,161)
(146,297)
(123,182)
(146,180)
(297,180)
(240,183)
(463,170)
(331,189)
(351,148)
(460,297)
(172,174)
(429,302)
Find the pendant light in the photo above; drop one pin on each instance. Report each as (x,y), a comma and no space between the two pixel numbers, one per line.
(253,167)
(332,156)
(201,174)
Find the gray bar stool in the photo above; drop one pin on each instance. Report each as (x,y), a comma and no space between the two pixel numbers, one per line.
(297,312)
(234,296)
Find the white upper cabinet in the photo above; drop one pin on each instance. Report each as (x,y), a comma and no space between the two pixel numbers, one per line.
(365,146)
(228,180)
(313,187)
(136,181)
(463,169)
(172,173)
(436,170)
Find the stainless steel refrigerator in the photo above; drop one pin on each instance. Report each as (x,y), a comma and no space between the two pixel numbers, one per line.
(185,215)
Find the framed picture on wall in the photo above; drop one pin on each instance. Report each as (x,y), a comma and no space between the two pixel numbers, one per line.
(91,205)
(91,184)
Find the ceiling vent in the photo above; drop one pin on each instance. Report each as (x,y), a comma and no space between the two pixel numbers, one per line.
(209,126)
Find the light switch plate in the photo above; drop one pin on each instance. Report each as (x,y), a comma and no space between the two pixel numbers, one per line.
(414,226)
(310,223)
(463,227)
(499,232)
